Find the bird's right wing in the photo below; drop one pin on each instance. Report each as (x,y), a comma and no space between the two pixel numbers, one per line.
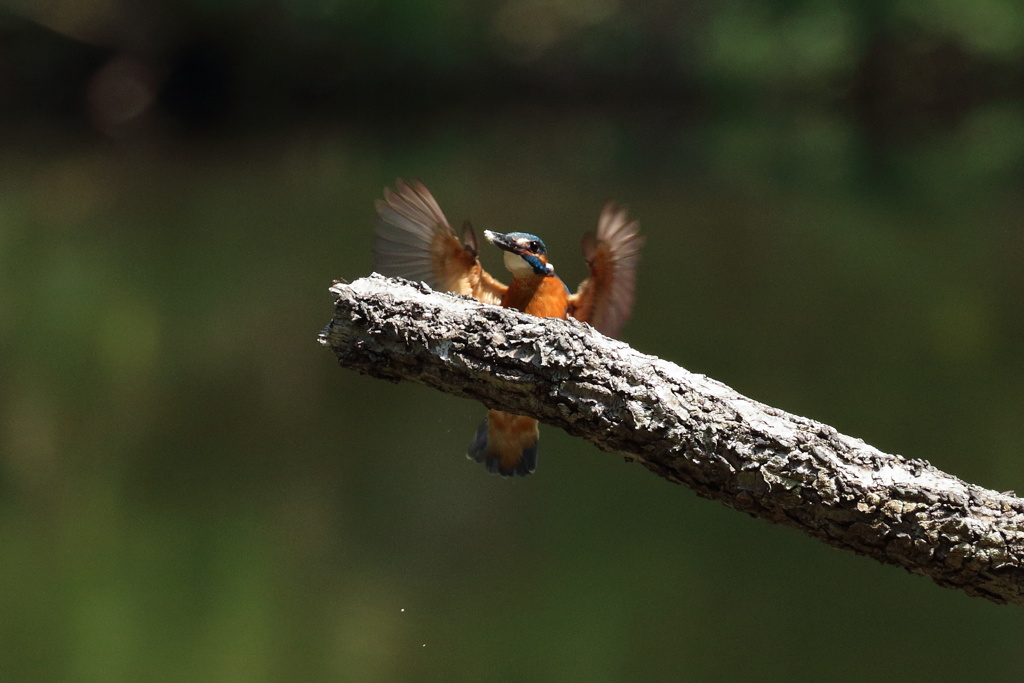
(605,299)
(414,240)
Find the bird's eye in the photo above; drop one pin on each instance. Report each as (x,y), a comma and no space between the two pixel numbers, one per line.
(535,246)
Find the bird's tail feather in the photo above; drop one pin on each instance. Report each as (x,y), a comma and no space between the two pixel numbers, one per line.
(506,444)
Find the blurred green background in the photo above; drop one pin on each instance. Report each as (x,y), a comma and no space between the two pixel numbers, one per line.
(192,490)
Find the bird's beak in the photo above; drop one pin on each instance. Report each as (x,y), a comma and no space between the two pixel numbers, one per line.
(503,241)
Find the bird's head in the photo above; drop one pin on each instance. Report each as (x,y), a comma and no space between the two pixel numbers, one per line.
(525,254)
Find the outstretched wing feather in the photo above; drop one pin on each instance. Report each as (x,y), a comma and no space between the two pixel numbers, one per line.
(414,240)
(605,299)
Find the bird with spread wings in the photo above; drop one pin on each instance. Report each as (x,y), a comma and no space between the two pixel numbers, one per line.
(414,240)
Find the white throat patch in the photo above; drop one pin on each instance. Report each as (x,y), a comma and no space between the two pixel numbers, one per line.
(517,266)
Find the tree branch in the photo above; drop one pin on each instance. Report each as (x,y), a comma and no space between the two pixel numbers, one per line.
(688,429)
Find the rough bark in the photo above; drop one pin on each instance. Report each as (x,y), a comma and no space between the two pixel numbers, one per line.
(688,429)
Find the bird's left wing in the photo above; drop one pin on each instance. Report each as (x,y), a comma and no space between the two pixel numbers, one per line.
(605,299)
(414,240)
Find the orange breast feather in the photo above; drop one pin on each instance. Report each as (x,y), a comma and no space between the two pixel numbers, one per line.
(544,297)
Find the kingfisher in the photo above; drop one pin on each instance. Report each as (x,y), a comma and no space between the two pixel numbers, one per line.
(414,240)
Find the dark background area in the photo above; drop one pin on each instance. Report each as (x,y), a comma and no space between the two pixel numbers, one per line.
(192,490)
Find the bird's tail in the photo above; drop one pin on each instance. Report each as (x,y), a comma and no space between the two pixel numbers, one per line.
(506,444)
